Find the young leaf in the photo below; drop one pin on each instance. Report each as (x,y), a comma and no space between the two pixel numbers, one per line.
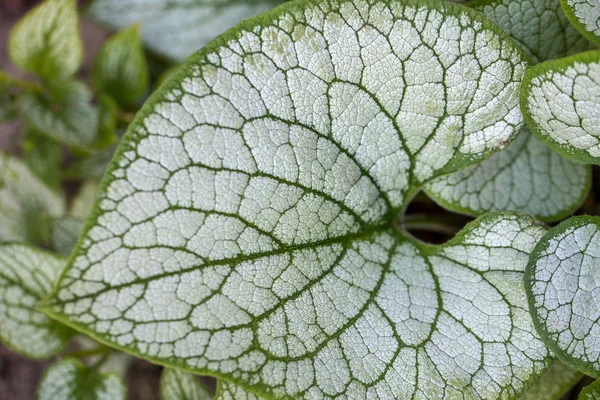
(554,384)
(584,14)
(69,379)
(179,385)
(46,41)
(43,156)
(26,203)
(120,69)
(562,286)
(245,227)
(591,392)
(26,276)
(66,114)
(177,28)
(229,391)
(64,233)
(527,176)
(560,101)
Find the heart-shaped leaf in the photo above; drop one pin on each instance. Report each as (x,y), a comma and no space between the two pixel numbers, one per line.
(562,286)
(246,226)
(177,28)
(561,104)
(46,41)
(26,277)
(69,379)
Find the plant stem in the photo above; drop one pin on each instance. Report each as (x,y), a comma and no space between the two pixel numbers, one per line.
(423,222)
(22,83)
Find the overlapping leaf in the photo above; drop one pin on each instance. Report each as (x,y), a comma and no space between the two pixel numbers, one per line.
(561,104)
(26,277)
(179,27)
(245,228)
(585,15)
(528,176)
(591,392)
(562,285)
(69,379)
(555,383)
(26,203)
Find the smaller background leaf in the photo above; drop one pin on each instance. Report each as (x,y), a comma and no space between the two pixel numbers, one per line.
(26,277)
(46,41)
(560,100)
(69,379)
(65,232)
(43,155)
(120,69)
(26,203)
(179,385)
(557,381)
(591,392)
(65,114)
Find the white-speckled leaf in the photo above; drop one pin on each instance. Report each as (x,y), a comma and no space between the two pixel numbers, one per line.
(177,28)
(527,177)
(69,379)
(229,391)
(554,384)
(26,277)
(562,283)
(585,15)
(539,26)
(26,203)
(591,392)
(245,228)
(561,104)
(176,384)
(46,41)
